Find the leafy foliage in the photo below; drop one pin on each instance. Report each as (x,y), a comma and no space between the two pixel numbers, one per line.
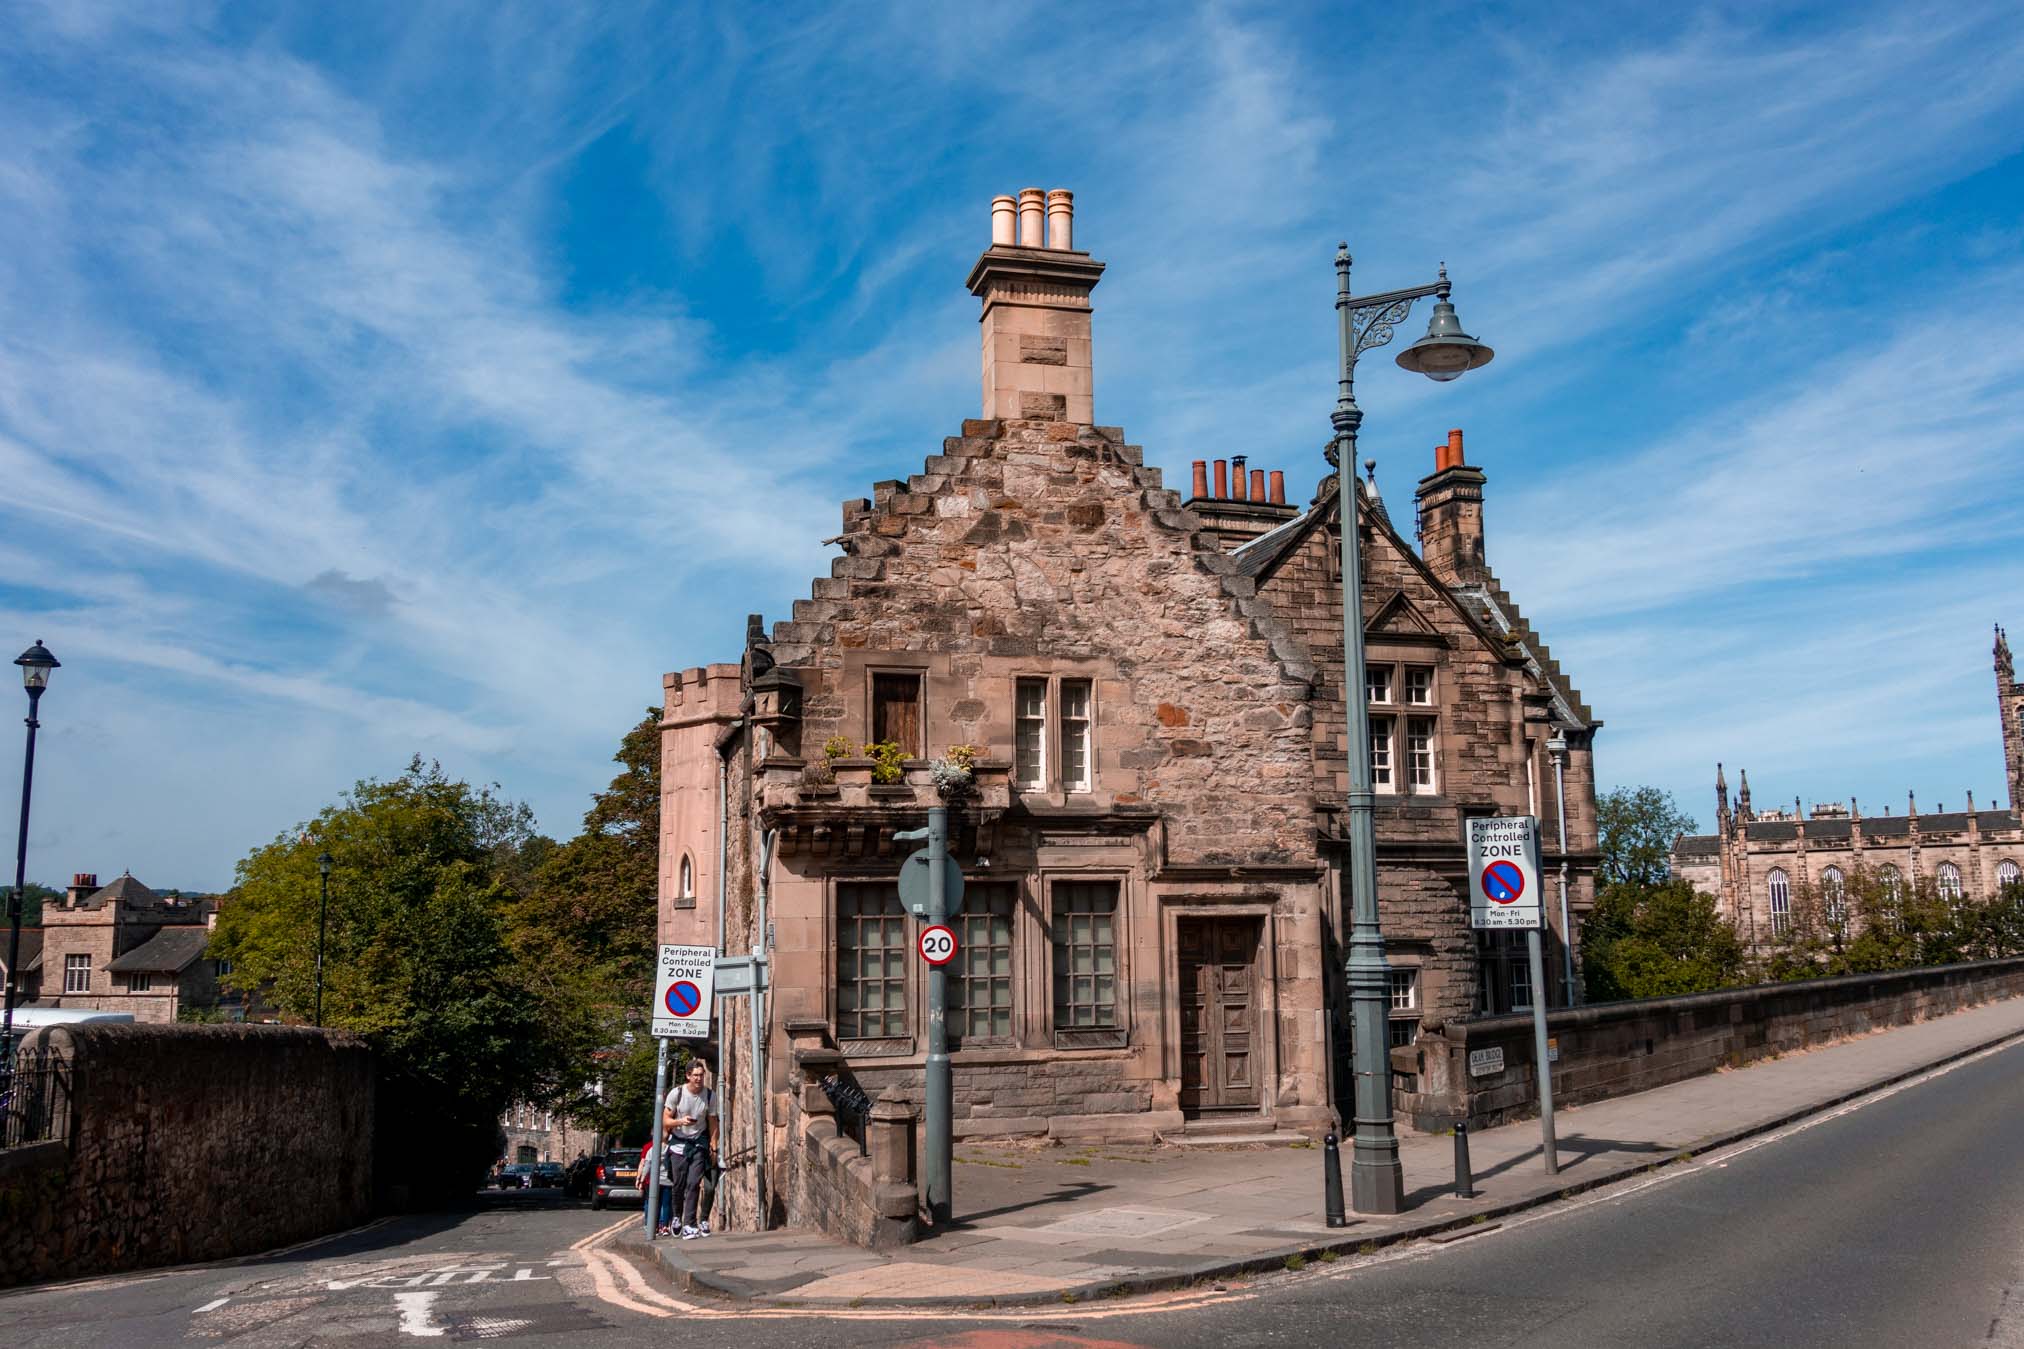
(416,959)
(1638,826)
(1878,922)
(888,761)
(1655,941)
(32,897)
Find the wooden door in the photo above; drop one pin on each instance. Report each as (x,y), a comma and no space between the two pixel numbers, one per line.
(1218,982)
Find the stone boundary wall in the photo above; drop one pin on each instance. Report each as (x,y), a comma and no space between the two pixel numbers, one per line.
(1619,1048)
(869,1198)
(189,1143)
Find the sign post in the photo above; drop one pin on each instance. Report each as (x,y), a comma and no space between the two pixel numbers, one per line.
(941,1102)
(1504,896)
(683,978)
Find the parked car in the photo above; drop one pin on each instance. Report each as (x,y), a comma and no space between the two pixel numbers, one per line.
(577,1177)
(519,1176)
(548,1175)
(616,1178)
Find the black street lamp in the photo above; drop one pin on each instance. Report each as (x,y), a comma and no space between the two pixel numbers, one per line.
(1366,322)
(35,663)
(322,915)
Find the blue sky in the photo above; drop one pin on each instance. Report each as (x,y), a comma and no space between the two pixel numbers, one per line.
(392,379)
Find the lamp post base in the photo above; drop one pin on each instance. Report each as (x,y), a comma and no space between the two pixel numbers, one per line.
(1377,1187)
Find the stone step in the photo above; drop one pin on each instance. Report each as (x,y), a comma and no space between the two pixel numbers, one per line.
(1245,1130)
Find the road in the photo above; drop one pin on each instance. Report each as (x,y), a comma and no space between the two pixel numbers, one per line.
(1897,1220)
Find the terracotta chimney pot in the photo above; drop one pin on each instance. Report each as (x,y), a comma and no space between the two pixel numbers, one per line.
(1222,481)
(1237,478)
(1257,484)
(1455,459)
(1278,487)
(1201,484)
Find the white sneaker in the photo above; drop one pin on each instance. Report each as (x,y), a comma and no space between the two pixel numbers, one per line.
(690,1234)
(702,1229)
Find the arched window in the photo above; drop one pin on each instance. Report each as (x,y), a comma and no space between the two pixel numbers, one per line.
(686,887)
(1950,883)
(1832,889)
(2007,874)
(1893,882)
(1781,903)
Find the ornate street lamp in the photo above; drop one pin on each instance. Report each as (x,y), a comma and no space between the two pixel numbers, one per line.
(322,915)
(1446,352)
(35,663)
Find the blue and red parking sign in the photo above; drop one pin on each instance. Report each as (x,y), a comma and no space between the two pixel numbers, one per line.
(1504,872)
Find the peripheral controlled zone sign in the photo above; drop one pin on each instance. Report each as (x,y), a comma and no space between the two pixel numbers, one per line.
(1504,872)
(682,992)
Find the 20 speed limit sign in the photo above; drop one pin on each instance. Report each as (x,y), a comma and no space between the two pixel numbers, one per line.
(938,945)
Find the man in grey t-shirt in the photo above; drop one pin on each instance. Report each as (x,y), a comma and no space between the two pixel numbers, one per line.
(689,1120)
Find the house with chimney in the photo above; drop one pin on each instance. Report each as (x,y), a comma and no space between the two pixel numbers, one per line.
(1147,691)
(123,948)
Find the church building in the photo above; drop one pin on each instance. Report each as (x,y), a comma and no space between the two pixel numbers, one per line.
(1146,691)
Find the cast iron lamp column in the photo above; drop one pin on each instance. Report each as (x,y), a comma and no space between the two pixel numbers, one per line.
(35,663)
(322,914)
(1375,1181)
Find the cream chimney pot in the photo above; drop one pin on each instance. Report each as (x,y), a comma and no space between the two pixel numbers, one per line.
(1060,219)
(1032,207)
(1035,322)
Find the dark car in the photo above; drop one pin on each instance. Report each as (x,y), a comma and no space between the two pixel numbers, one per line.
(548,1175)
(616,1178)
(519,1176)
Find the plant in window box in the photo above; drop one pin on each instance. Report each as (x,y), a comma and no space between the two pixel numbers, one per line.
(818,779)
(955,773)
(888,763)
(838,747)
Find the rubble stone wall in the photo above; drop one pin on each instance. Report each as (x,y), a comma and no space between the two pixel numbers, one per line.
(189,1143)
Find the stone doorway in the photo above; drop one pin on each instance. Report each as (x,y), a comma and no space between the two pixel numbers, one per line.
(1218,982)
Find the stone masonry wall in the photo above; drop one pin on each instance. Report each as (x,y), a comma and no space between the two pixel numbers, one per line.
(1618,1048)
(189,1143)
(1027,543)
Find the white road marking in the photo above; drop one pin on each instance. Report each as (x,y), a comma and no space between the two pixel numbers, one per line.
(211,1306)
(415,1315)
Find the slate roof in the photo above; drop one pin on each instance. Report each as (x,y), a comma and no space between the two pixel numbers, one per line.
(128,891)
(1888,826)
(1773,831)
(171,951)
(31,949)
(1697,845)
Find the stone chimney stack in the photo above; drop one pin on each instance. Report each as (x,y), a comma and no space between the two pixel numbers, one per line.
(1036,311)
(83,885)
(1451,517)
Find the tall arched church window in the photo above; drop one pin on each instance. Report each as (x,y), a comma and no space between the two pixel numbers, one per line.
(1950,882)
(2007,874)
(1832,890)
(1893,882)
(1781,902)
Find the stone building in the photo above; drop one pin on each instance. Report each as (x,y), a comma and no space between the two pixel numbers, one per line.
(535,1133)
(1758,861)
(1150,942)
(123,948)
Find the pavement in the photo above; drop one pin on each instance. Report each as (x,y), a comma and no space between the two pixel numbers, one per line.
(1039,1223)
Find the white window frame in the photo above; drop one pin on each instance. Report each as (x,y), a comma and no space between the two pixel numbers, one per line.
(2008,873)
(77,972)
(1036,781)
(1405,1003)
(1833,895)
(1418,679)
(1377,685)
(1383,756)
(1949,879)
(1078,732)
(1431,785)
(1520,988)
(1779,887)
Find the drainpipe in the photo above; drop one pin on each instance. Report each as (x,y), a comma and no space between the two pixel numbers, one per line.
(1558,746)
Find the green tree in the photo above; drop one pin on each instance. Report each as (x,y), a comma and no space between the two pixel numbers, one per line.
(32,897)
(1637,827)
(586,933)
(1654,941)
(417,959)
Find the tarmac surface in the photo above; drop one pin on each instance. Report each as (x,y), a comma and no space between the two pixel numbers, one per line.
(1038,1224)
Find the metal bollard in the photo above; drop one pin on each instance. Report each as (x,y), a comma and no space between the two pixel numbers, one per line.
(1331,1164)
(1465,1181)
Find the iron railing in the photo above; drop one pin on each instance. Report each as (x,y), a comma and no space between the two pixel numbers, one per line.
(37,1101)
(853,1109)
